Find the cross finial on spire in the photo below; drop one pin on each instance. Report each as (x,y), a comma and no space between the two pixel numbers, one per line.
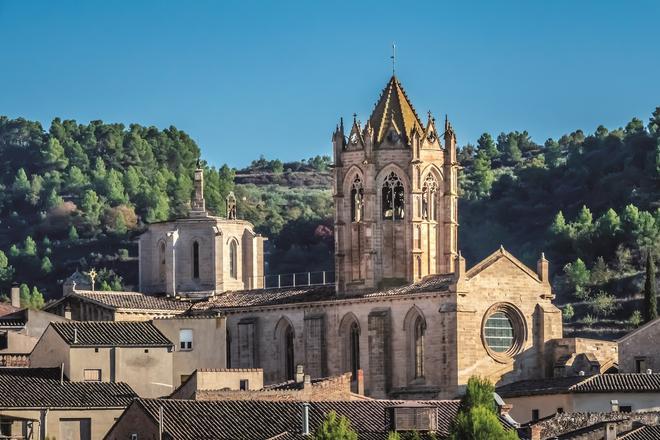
(393,57)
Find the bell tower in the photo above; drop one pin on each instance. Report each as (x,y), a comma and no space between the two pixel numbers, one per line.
(395,193)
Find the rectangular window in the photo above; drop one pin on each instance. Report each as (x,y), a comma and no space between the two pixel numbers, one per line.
(640,365)
(535,415)
(185,339)
(92,375)
(245,385)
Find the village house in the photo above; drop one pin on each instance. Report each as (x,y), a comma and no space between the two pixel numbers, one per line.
(136,353)
(41,403)
(532,400)
(20,329)
(638,349)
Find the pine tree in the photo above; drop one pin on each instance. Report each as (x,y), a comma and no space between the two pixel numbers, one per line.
(24,293)
(73,233)
(21,186)
(29,247)
(482,175)
(486,144)
(6,271)
(650,298)
(54,156)
(91,206)
(46,265)
(559,226)
(36,299)
(335,428)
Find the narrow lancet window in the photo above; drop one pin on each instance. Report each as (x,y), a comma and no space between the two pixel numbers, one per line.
(393,198)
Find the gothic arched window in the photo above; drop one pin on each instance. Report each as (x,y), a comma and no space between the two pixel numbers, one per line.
(289,362)
(419,330)
(161,261)
(357,200)
(428,198)
(233,257)
(195,258)
(354,347)
(393,198)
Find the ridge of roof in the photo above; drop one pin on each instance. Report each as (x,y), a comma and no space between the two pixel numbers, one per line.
(111,333)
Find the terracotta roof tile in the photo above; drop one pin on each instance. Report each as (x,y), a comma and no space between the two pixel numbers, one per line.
(111,333)
(6,309)
(623,382)
(41,387)
(642,433)
(134,301)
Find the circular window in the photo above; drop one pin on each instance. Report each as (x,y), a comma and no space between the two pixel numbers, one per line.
(503,331)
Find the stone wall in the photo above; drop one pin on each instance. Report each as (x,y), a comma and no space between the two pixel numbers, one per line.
(634,350)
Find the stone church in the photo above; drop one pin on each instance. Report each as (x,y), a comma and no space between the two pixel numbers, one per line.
(405,316)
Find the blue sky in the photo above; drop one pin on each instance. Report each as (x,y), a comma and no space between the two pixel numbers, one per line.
(247,78)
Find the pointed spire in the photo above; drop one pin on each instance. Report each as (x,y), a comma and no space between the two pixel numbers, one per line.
(394,109)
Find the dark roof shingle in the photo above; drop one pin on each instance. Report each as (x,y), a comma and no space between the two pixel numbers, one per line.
(111,333)
(134,301)
(190,419)
(41,387)
(642,433)
(599,383)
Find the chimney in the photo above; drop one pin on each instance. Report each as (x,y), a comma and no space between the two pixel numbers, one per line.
(581,373)
(542,269)
(535,432)
(305,418)
(649,371)
(614,405)
(75,335)
(15,296)
(307,384)
(67,312)
(300,373)
(610,431)
(360,382)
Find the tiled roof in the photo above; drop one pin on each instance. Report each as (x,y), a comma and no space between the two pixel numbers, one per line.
(292,295)
(557,385)
(41,387)
(14,319)
(134,301)
(642,433)
(623,382)
(190,419)
(599,383)
(6,309)
(394,109)
(111,333)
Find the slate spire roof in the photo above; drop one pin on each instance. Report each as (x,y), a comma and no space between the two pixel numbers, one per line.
(394,109)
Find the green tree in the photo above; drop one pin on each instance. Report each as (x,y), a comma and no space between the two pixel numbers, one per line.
(73,233)
(650,296)
(29,247)
(603,304)
(482,175)
(552,153)
(577,273)
(559,225)
(91,206)
(76,180)
(6,271)
(568,312)
(486,144)
(24,294)
(477,418)
(36,299)
(335,427)
(21,186)
(54,155)
(46,265)
(14,251)
(608,224)
(636,319)
(599,272)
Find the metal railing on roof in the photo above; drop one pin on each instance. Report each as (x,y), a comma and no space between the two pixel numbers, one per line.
(298,279)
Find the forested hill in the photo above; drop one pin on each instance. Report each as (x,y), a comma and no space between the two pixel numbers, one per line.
(76,196)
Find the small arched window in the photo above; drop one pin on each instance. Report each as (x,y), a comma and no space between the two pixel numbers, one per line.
(429,190)
(195,258)
(419,330)
(357,200)
(393,198)
(161,261)
(289,362)
(233,256)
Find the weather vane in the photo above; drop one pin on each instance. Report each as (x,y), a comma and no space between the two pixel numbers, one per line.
(393,57)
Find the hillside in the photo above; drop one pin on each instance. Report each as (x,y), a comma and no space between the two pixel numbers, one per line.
(76,196)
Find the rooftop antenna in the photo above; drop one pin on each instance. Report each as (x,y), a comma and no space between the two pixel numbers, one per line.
(393,57)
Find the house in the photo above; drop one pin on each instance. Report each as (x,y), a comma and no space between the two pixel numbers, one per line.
(199,343)
(90,305)
(626,392)
(136,353)
(594,426)
(634,349)
(20,329)
(247,384)
(40,403)
(260,420)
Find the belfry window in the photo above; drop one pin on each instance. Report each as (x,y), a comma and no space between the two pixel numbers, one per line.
(289,363)
(357,200)
(195,260)
(393,203)
(161,261)
(233,251)
(428,198)
(420,329)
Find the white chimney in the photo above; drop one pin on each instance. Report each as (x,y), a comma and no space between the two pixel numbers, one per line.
(300,373)
(305,418)
(75,335)
(15,296)
(649,371)
(581,373)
